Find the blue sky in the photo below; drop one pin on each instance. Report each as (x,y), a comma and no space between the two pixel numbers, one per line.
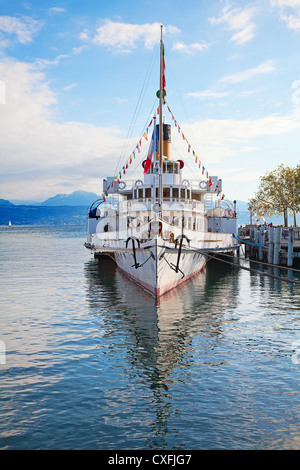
(78,83)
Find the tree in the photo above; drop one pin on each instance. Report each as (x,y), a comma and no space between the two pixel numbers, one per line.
(278,193)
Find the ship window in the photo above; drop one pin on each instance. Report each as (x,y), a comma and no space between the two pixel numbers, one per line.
(135,193)
(182,193)
(169,167)
(176,168)
(166,192)
(140,193)
(175,192)
(148,192)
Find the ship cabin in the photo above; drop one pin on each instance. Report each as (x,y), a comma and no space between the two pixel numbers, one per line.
(183,200)
(135,203)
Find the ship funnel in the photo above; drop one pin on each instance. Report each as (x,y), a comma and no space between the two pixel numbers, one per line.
(166,141)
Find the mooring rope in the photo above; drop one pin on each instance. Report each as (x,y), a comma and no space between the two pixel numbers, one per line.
(250,243)
(262,262)
(273,276)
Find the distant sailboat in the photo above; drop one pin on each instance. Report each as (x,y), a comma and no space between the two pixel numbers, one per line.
(9,223)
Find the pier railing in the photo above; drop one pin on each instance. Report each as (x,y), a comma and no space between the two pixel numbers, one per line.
(280,245)
(296,230)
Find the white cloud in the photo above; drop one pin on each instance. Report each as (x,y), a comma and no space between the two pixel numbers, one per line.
(289,12)
(190,48)
(238,77)
(84,35)
(40,155)
(208,94)
(43,63)
(79,49)
(23,28)
(123,37)
(286,3)
(57,10)
(238,20)
(293,22)
(218,140)
(69,87)
(265,67)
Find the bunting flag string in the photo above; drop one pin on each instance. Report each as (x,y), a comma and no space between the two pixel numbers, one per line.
(197,160)
(125,167)
(137,149)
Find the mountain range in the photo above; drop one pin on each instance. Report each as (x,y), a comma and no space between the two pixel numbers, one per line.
(62,209)
(77,198)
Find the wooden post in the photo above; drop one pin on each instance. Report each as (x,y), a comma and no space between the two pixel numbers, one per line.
(261,242)
(277,245)
(251,248)
(290,247)
(271,245)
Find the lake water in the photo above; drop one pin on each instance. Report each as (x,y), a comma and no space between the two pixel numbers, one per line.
(88,361)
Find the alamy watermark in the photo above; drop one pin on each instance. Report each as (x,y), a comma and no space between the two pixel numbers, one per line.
(2,92)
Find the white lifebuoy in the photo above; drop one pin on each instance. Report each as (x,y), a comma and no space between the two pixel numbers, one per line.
(185,183)
(203,185)
(122,185)
(138,183)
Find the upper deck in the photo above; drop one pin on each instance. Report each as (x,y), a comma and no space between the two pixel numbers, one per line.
(175,188)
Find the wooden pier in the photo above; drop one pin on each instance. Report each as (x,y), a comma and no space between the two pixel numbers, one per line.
(276,245)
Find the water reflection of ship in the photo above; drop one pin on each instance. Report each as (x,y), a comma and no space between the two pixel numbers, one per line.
(159,336)
(161,330)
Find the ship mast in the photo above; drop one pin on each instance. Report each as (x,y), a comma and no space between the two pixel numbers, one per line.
(160,136)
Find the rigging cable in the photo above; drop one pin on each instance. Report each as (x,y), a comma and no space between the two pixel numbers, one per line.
(137,109)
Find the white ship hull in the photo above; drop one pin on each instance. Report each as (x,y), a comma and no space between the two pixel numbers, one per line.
(159,266)
(157,277)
